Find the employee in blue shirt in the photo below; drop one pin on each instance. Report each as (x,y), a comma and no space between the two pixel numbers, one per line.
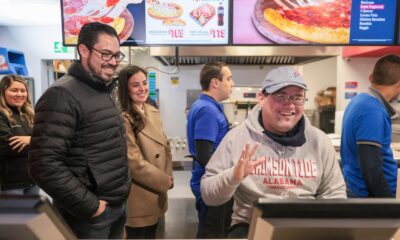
(369,168)
(206,127)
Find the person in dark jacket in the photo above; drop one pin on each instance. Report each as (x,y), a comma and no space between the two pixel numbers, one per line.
(78,151)
(16,121)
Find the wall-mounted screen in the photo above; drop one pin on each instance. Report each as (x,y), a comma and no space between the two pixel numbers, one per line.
(325,22)
(152,22)
(398,26)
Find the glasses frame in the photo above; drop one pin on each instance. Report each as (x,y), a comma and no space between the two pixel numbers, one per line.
(119,56)
(283,98)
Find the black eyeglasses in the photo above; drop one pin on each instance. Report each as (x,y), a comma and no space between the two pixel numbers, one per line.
(284,98)
(107,55)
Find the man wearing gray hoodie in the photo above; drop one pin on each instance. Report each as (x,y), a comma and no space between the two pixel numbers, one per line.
(275,153)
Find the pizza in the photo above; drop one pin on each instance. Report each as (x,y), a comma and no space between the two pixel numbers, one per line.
(73,22)
(73,25)
(165,10)
(203,14)
(327,22)
(174,22)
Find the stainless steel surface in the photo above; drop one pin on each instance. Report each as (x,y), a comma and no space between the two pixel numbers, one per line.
(244,55)
(248,51)
(180,221)
(240,103)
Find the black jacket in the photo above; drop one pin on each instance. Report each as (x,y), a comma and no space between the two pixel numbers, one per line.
(78,149)
(13,164)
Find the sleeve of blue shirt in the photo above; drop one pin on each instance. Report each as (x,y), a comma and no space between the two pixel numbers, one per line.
(370,127)
(370,133)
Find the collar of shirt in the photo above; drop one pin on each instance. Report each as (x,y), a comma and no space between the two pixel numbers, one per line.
(208,98)
(392,112)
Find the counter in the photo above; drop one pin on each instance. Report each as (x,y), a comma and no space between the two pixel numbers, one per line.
(335,139)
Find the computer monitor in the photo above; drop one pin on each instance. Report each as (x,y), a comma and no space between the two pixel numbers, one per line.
(325,219)
(31,217)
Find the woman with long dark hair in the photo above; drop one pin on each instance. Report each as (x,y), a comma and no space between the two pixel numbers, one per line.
(149,155)
(16,122)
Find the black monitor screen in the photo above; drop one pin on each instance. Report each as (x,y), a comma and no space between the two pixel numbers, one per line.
(309,219)
(346,208)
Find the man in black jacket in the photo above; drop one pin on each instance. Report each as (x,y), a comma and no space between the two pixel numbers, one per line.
(78,148)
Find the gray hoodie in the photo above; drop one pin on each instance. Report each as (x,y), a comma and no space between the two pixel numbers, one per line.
(310,171)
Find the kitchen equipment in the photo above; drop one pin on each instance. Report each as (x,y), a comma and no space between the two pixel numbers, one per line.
(241,101)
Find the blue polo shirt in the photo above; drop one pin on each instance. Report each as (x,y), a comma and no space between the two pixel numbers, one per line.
(366,120)
(206,121)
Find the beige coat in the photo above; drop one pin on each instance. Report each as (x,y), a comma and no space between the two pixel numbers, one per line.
(150,162)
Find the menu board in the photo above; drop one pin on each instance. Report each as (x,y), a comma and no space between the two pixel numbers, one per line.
(321,22)
(152,22)
(373,21)
(398,27)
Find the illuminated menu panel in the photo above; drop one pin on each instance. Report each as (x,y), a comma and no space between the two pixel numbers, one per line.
(324,22)
(152,22)
(191,22)
(373,21)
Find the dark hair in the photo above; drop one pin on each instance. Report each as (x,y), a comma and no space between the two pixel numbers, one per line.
(90,32)
(124,98)
(26,109)
(209,71)
(387,70)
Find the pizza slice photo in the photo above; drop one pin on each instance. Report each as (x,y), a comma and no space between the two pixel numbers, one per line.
(164,10)
(324,22)
(203,14)
(123,23)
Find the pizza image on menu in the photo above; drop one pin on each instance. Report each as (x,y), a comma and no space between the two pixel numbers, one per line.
(123,23)
(164,10)
(203,14)
(325,22)
(174,22)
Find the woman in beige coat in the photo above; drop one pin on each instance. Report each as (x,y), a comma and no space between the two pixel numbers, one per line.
(149,155)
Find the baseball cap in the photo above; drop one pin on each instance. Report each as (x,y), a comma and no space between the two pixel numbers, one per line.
(282,77)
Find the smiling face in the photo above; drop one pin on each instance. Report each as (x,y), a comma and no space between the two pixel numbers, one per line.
(92,59)
(138,89)
(280,117)
(16,94)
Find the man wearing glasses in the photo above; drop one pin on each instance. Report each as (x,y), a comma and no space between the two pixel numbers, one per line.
(78,149)
(274,153)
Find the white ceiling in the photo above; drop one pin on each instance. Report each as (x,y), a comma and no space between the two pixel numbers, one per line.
(30,12)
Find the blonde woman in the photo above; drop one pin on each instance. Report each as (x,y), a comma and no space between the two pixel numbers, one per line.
(16,121)
(149,155)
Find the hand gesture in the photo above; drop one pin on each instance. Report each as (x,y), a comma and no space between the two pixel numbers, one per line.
(101,208)
(19,142)
(245,165)
(171,182)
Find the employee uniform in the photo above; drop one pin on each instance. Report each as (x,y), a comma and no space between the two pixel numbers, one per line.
(367,121)
(206,121)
